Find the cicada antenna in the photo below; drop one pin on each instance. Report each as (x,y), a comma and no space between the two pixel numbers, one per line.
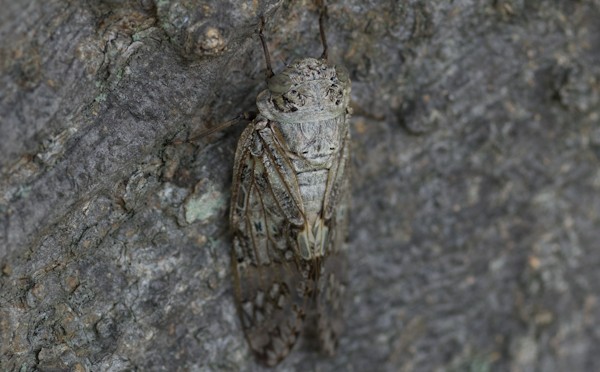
(265,47)
(322,16)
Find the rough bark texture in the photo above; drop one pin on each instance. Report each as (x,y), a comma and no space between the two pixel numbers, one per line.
(476,195)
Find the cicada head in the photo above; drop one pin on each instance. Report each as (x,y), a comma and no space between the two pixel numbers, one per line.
(307,89)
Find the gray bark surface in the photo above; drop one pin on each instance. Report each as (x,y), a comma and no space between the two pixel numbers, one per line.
(475,216)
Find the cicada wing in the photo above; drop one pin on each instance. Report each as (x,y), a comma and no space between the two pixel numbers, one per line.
(332,282)
(270,281)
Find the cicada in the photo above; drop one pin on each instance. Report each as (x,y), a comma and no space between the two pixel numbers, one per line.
(289,208)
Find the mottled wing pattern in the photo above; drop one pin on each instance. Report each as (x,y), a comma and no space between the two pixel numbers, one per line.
(270,282)
(331,284)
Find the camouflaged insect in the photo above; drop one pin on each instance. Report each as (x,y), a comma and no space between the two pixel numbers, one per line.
(289,209)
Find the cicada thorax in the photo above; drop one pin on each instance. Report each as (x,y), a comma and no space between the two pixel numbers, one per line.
(309,89)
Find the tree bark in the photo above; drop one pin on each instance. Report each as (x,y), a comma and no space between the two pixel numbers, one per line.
(475,217)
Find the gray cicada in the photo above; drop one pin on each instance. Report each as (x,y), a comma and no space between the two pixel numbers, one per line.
(289,208)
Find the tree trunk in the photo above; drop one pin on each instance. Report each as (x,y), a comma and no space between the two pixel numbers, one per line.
(475,216)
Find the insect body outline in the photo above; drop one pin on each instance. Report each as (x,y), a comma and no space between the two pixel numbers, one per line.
(289,207)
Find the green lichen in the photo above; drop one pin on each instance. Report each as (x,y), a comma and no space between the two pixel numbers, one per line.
(100,97)
(203,207)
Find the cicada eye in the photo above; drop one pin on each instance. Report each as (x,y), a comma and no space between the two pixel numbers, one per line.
(279,83)
(342,74)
